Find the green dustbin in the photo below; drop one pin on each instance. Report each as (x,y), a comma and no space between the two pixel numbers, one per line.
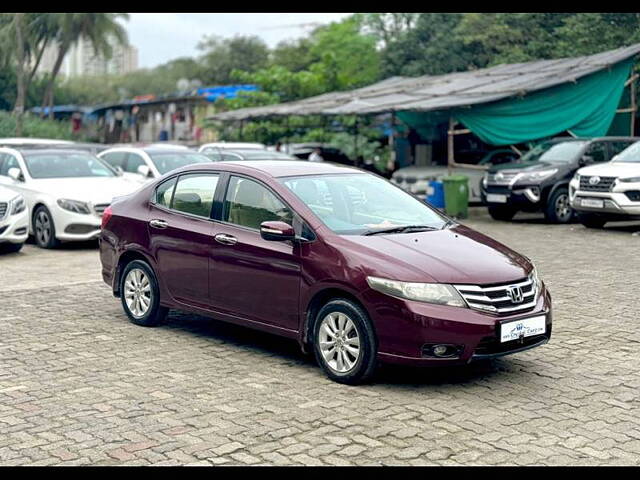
(456,195)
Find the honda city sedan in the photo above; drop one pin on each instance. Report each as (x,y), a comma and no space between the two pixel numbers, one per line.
(347,264)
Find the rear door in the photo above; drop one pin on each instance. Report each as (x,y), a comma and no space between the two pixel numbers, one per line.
(180,233)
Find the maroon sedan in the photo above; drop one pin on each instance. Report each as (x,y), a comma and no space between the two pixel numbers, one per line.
(341,260)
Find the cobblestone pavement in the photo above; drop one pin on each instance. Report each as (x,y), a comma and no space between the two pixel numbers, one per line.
(79,384)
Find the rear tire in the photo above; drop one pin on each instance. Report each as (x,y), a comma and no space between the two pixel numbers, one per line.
(140,295)
(43,228)
(558,209)
(504,214)
(590,220)
(344,342)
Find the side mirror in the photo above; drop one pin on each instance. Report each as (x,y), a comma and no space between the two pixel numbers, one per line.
(16,174)
(144,171)
(277,231)
(119,170)
(586,160)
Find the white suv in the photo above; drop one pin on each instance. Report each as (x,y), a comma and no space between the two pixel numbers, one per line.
(608,191)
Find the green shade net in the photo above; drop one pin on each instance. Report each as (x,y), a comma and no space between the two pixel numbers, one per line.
(586,107)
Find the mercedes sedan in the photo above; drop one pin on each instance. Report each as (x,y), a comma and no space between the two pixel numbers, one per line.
(352,267)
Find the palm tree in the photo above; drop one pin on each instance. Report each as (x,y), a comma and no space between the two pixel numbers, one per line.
(24,36)
(98,28)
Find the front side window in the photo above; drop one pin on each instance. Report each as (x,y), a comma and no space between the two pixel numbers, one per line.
(167,161)
(194,194)
(353,204)
(66,165)
(133,162)
(248,204)
(6,162)
(598,152)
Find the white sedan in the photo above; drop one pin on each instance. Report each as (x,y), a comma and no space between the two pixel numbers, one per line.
(14,221)
(66,191)
(141,164)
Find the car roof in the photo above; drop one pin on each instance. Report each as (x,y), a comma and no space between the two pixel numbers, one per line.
(43,150)
(158,150)
(277,168)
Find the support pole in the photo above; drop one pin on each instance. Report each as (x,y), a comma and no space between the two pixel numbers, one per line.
(355,144)
(392,147)
(240,133)
(632,93)
(450,155)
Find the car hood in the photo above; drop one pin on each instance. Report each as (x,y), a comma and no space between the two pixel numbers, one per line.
(612,169)
(7,194)
(523,166)
(455,255)
(95,190)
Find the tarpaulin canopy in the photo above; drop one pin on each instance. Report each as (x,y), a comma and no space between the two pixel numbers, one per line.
(496,103)
(586,108)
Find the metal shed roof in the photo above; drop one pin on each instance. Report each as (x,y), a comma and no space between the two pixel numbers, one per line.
(439,92)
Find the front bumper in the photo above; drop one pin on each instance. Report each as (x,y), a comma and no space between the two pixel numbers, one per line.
(14,228)
(405,327)
(525,197)
(76,227)
(615,204)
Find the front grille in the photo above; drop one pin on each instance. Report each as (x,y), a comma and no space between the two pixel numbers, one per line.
(100,208)
(492,345)
(499,298)
(633,195)
(3,209)
(603,184)
(501,178)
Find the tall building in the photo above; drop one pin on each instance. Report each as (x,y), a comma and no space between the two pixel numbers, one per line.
(81,59)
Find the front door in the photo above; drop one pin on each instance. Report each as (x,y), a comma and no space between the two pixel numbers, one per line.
(180,233)
(250,277)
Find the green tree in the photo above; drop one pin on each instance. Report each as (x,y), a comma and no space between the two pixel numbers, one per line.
(98,28)
(223,55)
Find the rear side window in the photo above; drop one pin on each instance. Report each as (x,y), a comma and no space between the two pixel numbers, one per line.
(164,192)
(194,194)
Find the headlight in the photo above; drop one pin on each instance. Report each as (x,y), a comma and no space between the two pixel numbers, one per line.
(537,176)
(74,206)
(536,280)
(630,180)
(576,177)
(438,293)
(485,179)
(18,205)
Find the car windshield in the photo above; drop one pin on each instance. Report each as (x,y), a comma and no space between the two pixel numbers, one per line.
(361,203)
(629,155)
(563,152)
(63,165)
(167,161)
(255,154)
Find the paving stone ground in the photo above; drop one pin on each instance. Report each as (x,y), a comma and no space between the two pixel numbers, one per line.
(79,384)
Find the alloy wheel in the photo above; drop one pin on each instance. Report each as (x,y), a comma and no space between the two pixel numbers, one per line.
(137,292)
(339,342)
(43,227)
(563,208)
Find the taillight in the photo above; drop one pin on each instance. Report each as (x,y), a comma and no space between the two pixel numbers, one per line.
(106,215)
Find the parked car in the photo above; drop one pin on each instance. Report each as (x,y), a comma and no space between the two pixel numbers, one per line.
(328,153)
(543,184)
(415,179)
(216,147)
(238,154)
(26,141)
(14,220)
(608,191)
(143,164)
(283,247)
(66,191)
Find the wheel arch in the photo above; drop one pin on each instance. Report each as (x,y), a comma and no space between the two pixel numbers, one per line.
(125,258)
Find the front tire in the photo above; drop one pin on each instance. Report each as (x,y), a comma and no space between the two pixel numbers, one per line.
(44,229)
(591,221)
(504,214)
(344,342)
(558,209)
(140,295)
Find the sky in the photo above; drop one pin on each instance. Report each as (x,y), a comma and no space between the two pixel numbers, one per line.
(161,37)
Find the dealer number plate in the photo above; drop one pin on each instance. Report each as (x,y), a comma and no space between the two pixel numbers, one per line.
(522,328)
(496,198)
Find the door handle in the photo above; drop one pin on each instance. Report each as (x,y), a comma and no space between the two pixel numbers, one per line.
(158,223)
(225,239)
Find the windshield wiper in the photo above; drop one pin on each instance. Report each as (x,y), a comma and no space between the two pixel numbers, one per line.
(401,229)
(448,223)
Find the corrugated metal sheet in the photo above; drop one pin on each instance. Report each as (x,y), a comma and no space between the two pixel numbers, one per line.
(441,92)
